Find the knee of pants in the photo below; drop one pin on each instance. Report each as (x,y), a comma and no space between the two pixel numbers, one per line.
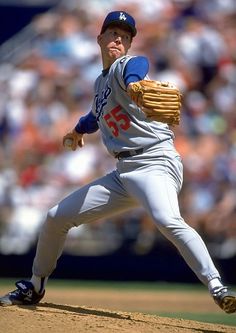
(176,230)
(58,221)
(169,224)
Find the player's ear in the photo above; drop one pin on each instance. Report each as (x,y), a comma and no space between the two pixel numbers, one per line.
(99,37)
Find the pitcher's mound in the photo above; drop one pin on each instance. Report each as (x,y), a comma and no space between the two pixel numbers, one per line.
(56,318)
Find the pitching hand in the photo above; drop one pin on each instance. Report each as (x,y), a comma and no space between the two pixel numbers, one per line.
(72,140)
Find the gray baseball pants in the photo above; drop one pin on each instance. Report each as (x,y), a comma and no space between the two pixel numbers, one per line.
(152,183)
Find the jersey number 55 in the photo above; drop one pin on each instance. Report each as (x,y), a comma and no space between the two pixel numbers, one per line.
(116,119)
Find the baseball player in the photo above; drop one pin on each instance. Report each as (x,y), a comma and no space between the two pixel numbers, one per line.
(134,123)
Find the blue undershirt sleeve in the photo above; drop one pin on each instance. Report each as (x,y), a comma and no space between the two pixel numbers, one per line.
(87,124)
(136,69)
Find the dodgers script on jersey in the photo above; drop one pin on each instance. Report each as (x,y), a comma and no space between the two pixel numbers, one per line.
(122,123)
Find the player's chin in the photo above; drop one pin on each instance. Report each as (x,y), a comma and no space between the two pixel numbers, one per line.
(115,54)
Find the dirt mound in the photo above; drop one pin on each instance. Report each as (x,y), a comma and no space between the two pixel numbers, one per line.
(56,318)
(98,310)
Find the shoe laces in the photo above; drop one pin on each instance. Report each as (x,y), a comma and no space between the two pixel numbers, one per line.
(15,292)
(218,291)
(18,292)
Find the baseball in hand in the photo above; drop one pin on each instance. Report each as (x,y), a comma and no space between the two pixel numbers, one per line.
(68,143)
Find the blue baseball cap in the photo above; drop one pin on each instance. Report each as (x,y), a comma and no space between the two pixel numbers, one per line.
(120,18)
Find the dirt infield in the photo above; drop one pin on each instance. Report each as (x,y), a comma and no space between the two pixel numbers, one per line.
(109,311)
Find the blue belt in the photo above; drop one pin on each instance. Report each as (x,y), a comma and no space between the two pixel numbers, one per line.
(129,153)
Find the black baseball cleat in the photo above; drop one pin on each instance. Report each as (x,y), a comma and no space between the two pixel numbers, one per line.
(225,298)
(23,295)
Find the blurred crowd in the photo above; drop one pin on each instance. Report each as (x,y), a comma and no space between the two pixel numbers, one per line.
(190,43)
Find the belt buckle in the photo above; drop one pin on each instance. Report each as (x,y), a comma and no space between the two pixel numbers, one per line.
(129,153)
(133,152)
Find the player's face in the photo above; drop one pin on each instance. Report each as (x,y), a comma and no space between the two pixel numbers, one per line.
(114,42)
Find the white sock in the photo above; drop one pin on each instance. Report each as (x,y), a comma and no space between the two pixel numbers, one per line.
(39,283)
(214,283)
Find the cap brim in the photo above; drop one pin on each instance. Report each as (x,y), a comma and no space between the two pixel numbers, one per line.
(127,27)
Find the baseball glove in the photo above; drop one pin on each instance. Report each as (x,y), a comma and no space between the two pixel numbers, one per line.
(160,101)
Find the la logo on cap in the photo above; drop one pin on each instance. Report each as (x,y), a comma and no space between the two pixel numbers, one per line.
(122,16)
